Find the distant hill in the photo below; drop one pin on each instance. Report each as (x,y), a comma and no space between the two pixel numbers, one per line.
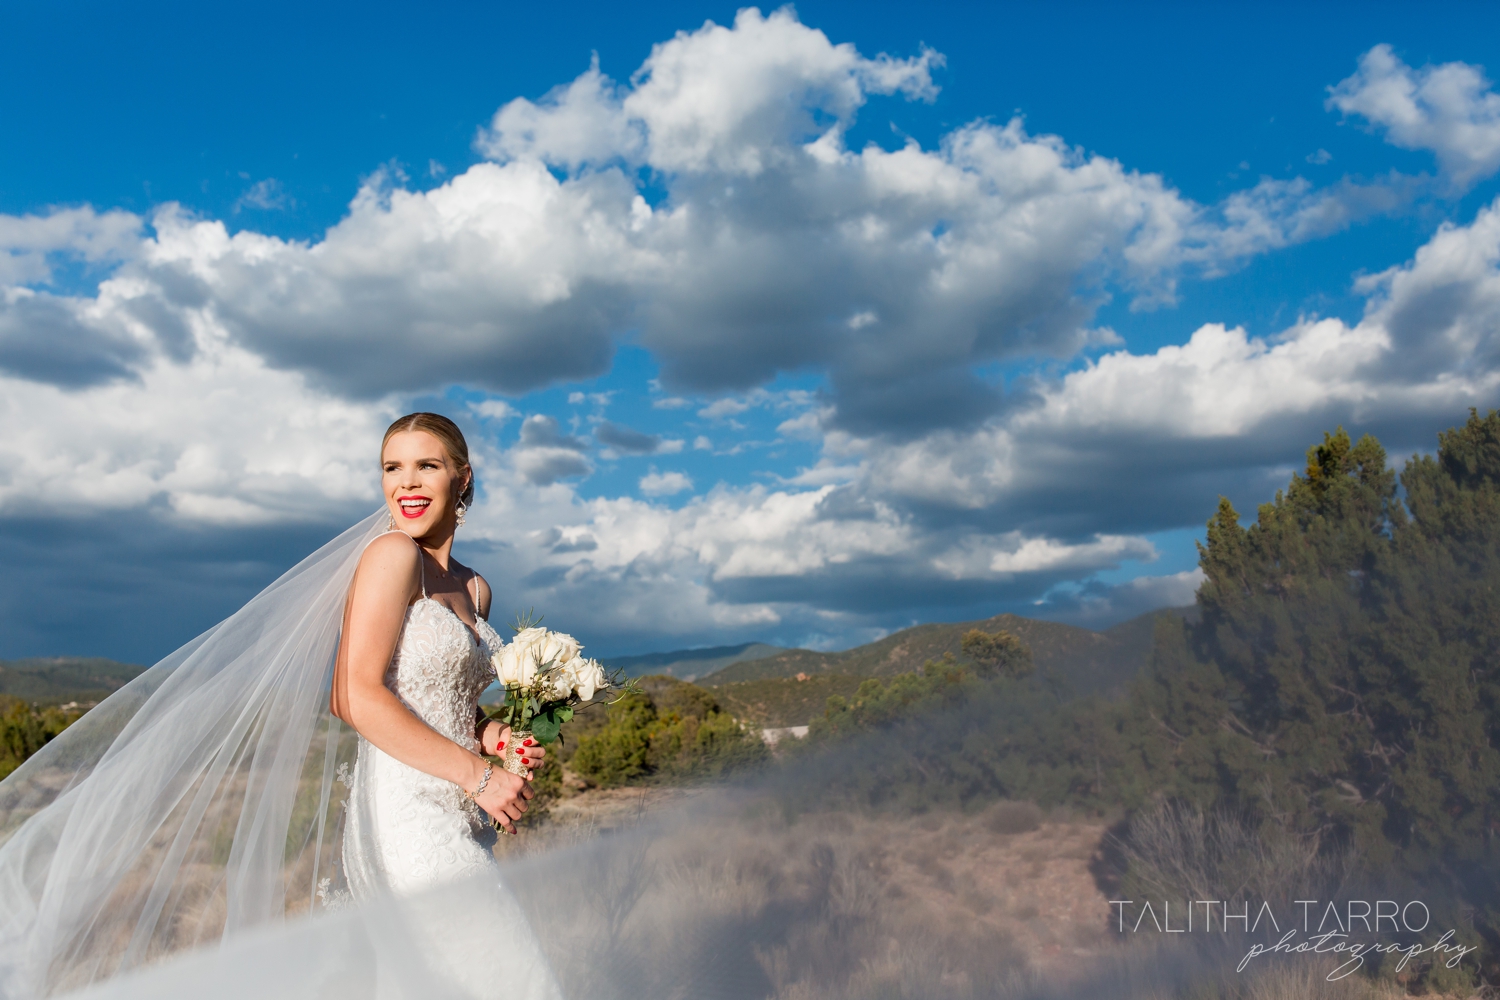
(1091,662)
(773,702)
(58,680)
(690,664)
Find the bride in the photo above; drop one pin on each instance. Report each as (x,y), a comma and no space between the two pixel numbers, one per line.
(198,803)
(414,659)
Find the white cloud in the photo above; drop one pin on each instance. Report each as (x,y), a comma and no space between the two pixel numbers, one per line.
(664,484)
(574,124)
(221,440)
(775,248)
(726,407)
(1449,109)
(494,409)
(266,195)
(504,274)
(1098,605)
(234,379)
(807,424)
(28,243)
(705,98)
(1128,427)
(1122,438)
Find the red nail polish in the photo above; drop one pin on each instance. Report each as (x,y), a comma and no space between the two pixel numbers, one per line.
(526,744)
(502,745)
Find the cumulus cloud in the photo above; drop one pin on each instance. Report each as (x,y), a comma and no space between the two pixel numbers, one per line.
(219,440)
(237,381)
(1060,489)
(1147,440)
(494,409)
(30,243)
(1449,109)
(776,248)
(664,484)
(784,562)
(544,454)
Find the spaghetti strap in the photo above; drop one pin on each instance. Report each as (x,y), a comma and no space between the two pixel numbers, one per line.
(474,579)
(421,564)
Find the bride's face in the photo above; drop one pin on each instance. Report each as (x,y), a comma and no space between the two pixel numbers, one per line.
(421,482)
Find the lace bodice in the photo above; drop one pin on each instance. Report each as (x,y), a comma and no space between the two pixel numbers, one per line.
(439,670)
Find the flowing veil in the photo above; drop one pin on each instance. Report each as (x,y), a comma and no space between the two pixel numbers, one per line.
(196,803)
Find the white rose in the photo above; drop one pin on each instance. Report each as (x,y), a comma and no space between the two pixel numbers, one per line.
(559,683)
(511,665)
(558,648)
(588,677)
(516,663)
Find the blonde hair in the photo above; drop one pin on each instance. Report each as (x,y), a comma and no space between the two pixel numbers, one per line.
(445,431)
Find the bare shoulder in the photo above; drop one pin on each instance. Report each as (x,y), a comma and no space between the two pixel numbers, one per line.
(391,558)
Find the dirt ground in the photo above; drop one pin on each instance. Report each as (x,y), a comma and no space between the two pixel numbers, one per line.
(1010,874)
(1010,901)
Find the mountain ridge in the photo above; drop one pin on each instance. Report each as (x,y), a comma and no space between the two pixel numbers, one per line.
(54,680)
(1092,662)
(688,664)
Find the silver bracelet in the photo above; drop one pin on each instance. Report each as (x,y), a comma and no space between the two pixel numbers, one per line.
(489,769)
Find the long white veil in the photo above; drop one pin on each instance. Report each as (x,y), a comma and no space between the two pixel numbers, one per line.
(195,803)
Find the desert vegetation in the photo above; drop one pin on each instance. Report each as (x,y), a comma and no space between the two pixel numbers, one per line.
(25,729)
(668,730)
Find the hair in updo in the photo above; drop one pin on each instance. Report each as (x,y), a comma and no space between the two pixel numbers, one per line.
(445,431)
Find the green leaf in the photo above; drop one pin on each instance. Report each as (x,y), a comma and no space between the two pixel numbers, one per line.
(565,713)
(545,728)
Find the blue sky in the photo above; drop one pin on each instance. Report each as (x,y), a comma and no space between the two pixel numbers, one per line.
(800,328)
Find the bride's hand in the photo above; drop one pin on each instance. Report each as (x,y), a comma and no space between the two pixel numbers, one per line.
(497,737)
(504,798)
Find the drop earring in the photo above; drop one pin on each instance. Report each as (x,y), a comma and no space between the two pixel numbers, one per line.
(390,520)
(460,509)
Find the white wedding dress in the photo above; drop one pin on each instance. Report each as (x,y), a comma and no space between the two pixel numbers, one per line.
(406,830)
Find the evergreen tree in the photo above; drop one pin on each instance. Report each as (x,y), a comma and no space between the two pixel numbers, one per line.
(1342,678)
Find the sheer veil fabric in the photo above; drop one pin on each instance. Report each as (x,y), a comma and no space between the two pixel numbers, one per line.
(198,804)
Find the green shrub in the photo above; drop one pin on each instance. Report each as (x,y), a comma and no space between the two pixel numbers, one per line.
(24,730)
(670,730)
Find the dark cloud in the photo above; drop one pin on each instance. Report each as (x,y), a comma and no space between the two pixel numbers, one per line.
(43,339)
(885,586)
(923,400)
(545,466)
(626,439)
(130,586)
(542,431)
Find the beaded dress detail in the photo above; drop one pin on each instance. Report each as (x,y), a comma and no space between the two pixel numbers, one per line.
(404,829)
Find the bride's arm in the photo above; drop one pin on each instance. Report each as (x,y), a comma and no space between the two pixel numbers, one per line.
(384,584)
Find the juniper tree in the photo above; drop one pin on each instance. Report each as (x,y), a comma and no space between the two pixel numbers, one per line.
(1342,677)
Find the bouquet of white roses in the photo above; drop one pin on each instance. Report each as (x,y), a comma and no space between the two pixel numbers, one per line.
(545,677)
